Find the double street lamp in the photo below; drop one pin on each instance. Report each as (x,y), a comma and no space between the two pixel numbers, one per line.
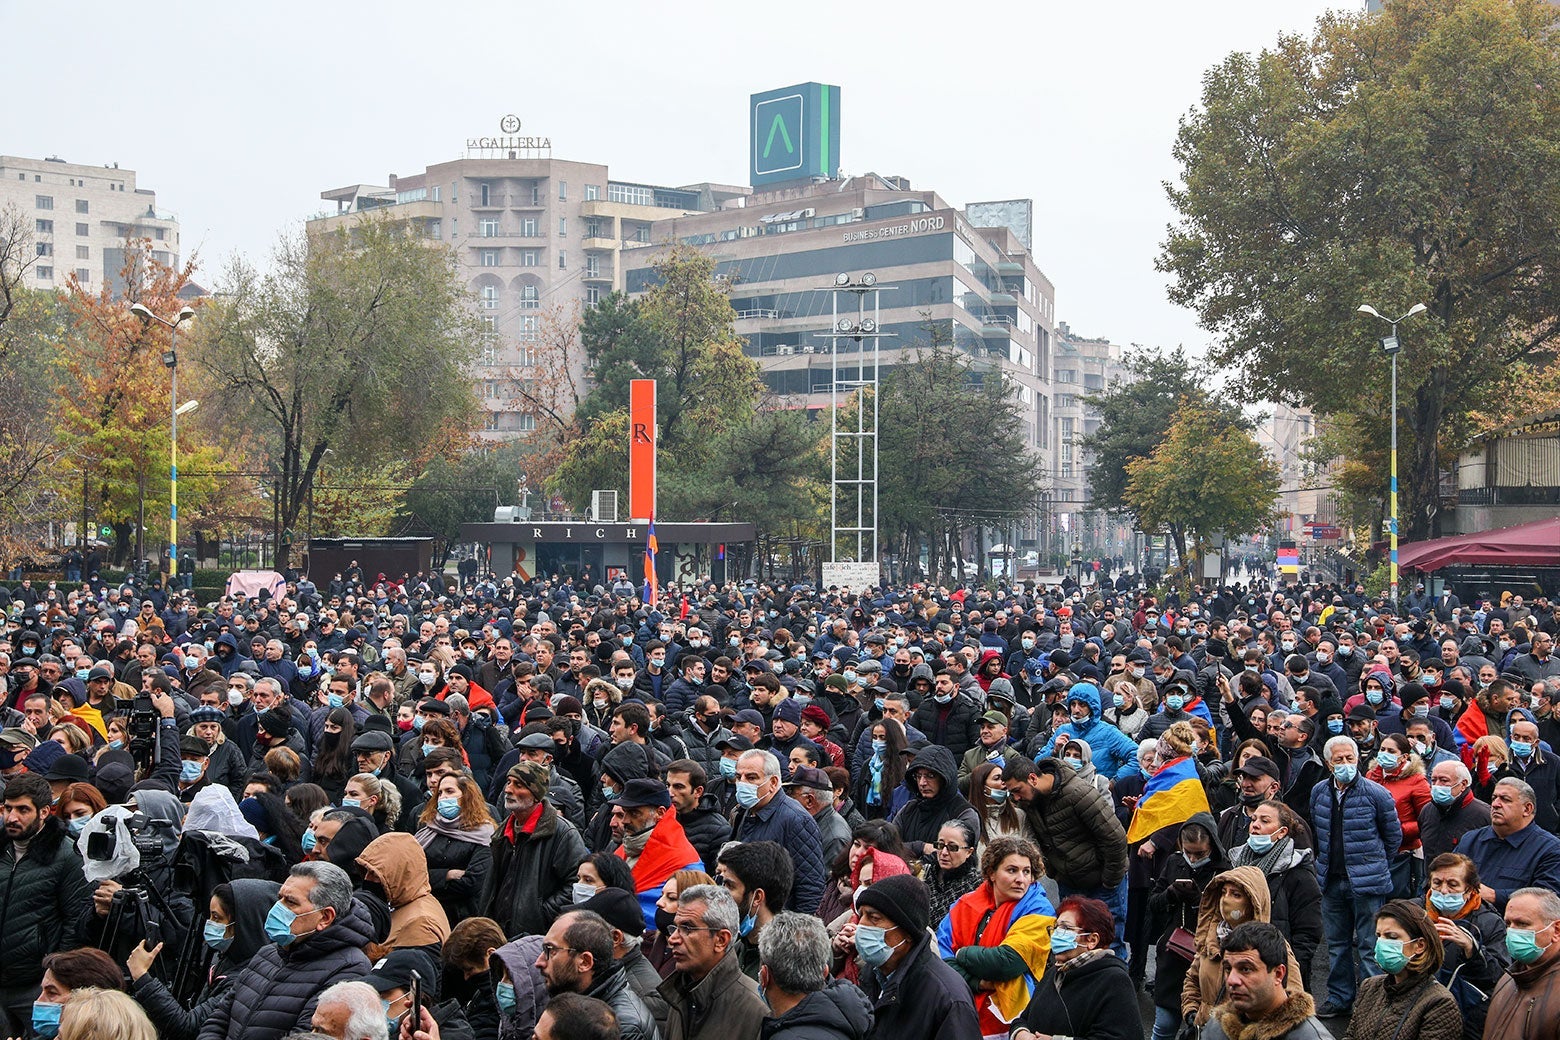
(1391,345)
(170,358)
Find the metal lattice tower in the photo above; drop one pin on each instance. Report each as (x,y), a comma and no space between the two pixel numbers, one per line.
(858,328)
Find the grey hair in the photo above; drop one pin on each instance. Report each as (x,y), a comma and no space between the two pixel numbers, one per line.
(771,763)
(795,949)
(1522,787)
(332,886)
(366,1018)
(270,683)
(245,678)
(1338,741)
(1460,771)
(1548,902)
(720,910)
(338,815)
(458,704)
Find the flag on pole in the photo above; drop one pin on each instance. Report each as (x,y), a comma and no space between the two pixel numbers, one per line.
(651,582)
(1171,795)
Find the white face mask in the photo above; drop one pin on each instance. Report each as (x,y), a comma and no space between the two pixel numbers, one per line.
(427,678)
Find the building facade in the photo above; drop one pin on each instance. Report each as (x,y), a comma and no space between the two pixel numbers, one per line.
(81,216)
(537,239)
(1082,366)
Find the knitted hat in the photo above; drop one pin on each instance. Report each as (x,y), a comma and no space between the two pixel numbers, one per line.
(276,722)
(533,776)
(816,715)
(788,711)
(903,899)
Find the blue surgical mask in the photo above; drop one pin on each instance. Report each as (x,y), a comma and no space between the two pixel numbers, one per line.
(608,791)
(1174,702)
(1420,710)
(307,840)
(747,797)
(879,745)
(190,770)
(504,995)
(449,808)
(1063,940)
(116,743)
(1259,843)
(1448,702)
(748,923)
(1521,748)
(77,825)
(877,702)
(1448,902)
(1441,794)
(1345,773)
(1195,864)
(217,937)
(1390,955)
(728,767)
(427,749)
(851,675)
(1374,696)
(278,924)
(45,1019)
(352,803)
(997,796)
(1076,763)
(335,700)
(82,673)
(1335,725)
(1119,701)
(1387,761)
(418,722)
(872,946)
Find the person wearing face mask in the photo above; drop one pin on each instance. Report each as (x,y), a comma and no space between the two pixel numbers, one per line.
(804,1003)
(1126,711)
(1453,810)
(1526,1002)
(1407,999)
(1274,846)
(1534,764)
(915,995)
(234,931)
(1357,833)
(1473,936)
(1402,773)
(1114,754)
(1232,898)
(1175,901)
(1085,991)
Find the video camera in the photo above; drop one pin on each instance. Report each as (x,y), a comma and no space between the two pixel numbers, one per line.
(103,845)
(144,747)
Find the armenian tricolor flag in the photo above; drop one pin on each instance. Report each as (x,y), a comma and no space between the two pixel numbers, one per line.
(667,852)
(1171,795)
(651,581)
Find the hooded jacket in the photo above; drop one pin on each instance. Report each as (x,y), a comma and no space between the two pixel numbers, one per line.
(417,917)
(252,900)
(1115,755)
(518,958)
(1084,844)
(1296,894)
(839,1011)
(277,991)
(1175,903)
(1204,985)
(921,818)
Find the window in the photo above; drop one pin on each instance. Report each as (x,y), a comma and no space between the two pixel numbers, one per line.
(43,201)
(642,234)
(536,194)
(489,356)
(563,227)
(83,229)
(528,227)
(44,248)
(528,258)
(489,325)
(592,267)
(527,357)
(436,193)
(563,191)
(527,422)
(489,258)
(81,205)
(592,192)
(490,297)
(83,252)
(160,234)
(1066,375)
(529,328)
(489,389)
(45,274)
(486,195)
(45,227)
(487,228)
(563,261)
(530,298)
(592,295)
(435,229)
(630,194)
(83,274)
(492,420)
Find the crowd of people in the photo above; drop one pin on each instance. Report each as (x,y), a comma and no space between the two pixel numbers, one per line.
(410,807)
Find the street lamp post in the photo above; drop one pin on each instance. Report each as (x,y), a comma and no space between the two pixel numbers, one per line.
(1392,346)
(171,360)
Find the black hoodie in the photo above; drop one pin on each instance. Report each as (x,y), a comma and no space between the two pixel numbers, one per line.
(839,1011)
(1176,905)
(921,818)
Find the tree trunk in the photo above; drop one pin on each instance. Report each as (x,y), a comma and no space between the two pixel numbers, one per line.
(1420,514)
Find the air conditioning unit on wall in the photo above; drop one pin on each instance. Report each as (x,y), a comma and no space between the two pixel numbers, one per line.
(604,507)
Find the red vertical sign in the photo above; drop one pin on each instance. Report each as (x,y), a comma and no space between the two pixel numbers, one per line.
(641,450)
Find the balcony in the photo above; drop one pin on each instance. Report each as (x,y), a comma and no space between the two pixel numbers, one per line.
(597,274)
(599,241)
(1526,495)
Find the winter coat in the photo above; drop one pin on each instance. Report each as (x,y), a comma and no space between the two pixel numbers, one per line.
(276,993)
(701,745)
(921,818)
(706,829)
(1472,978)
(724,1005)
(402,868)
(949,886)
(44,900)
(955,725)
(784,821)
(518,958)
(925,1000)
(1204,984)
(1441,829)
(1297,896)
(1294,1020)
(458,896)
(1115,754)
(839,1011)
(1085,846)
(1174,903)
(1410,792)
(253,899)
(532,879)
(635,1022)
(1003,756)
(644,980)
(1371,834)
(1420,1007)
(1526,1004)
(1094,999)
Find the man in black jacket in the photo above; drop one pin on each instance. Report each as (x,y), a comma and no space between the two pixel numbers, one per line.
(43,894)
(914,993)
(535,855)
(576,957)
(703,824)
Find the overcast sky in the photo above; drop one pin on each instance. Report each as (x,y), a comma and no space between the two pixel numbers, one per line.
(238,116)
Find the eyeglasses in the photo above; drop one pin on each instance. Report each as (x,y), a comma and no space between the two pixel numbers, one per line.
(948,846)
(549,950)
(674,928)
(723,881)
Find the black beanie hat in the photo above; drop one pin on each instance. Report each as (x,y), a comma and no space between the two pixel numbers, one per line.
(903,899)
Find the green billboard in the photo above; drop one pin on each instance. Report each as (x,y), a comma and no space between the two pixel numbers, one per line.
(796,133)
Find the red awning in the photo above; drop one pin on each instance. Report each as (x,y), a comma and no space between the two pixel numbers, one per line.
(1535,544)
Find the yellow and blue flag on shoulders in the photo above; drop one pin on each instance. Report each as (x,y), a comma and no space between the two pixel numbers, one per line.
(1171,795)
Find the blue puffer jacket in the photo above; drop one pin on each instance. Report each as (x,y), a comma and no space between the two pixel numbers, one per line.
(1371,834)
(276,993)
(1115,754)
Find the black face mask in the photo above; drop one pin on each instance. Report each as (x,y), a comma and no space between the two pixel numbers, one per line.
(663,920)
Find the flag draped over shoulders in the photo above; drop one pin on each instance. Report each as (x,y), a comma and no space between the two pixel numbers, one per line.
(1170,796)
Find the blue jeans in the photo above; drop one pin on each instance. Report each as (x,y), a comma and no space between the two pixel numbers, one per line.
(1115,899)
(1349,920)
(1166,1023)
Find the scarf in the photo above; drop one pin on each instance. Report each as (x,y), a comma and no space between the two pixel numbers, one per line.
(1274,860)
(634,845)
(875,787)
(482,834)
(1475,900)
(1083,958)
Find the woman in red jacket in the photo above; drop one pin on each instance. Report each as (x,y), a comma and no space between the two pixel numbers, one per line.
(1402,773)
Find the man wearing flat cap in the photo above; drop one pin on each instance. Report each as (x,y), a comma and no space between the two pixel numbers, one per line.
(535,855)
(654,845)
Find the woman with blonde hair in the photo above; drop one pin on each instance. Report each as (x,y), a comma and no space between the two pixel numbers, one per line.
(104,1014)
(379,798)
(655,949)
(1490,755)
